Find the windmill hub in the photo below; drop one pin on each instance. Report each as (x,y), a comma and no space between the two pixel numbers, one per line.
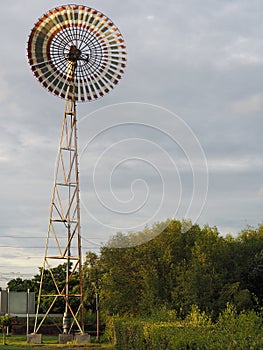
(74,53)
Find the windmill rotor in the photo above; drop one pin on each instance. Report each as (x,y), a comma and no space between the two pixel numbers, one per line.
(76,45)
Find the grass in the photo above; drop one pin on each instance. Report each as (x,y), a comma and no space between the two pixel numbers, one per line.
(19,342)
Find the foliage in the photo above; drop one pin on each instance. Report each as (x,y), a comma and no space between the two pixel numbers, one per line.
(232,331)
(5,321)
(92,274)
(20,285)
(48,286)
(197,318)
(19,342)
(182,266)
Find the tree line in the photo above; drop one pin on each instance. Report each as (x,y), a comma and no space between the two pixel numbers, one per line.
(185,265)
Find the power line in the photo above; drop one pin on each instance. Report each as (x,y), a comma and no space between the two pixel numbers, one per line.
(37,237)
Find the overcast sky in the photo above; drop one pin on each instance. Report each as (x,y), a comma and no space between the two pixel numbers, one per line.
(180,136)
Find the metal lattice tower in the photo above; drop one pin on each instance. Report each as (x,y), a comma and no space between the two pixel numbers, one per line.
(79,55)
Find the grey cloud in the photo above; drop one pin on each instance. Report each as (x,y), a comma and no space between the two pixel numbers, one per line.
(200,59)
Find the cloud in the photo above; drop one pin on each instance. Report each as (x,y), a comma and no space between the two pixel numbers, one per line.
(4,88)
(237,164)
(201,60)
(150,17)
(248,105)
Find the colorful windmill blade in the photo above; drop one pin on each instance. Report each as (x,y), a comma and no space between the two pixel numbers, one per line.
(76,53)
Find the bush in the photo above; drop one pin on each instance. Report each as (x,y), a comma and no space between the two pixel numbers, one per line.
(129,334)
(233,331)
(5,321)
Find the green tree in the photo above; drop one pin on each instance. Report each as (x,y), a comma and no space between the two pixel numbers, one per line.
(255,276)
(5,321)
(48,287)
(121,281)
(92,275)
(20,285)
(180,265)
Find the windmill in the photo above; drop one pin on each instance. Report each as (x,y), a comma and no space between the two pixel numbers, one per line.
(79,55)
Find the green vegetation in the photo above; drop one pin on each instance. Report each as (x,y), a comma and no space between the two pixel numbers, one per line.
(232,331)
(178,269)
(182,282)
(5,321)
(59,272)
(49,343)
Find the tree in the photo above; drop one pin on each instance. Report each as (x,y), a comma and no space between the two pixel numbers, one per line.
(179,268)
(182,266)
(20,285)
(48,286)
(5,321)
(92,275)
(120,283)
(255,276)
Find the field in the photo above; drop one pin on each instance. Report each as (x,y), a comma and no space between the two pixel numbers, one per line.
(49,343)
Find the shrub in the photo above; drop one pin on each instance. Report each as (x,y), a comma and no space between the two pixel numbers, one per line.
(233,331)
(5,321)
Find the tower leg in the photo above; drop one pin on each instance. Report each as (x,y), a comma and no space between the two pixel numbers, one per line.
(63,242)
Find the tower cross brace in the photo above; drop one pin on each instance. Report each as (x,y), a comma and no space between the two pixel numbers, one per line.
(63,240)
